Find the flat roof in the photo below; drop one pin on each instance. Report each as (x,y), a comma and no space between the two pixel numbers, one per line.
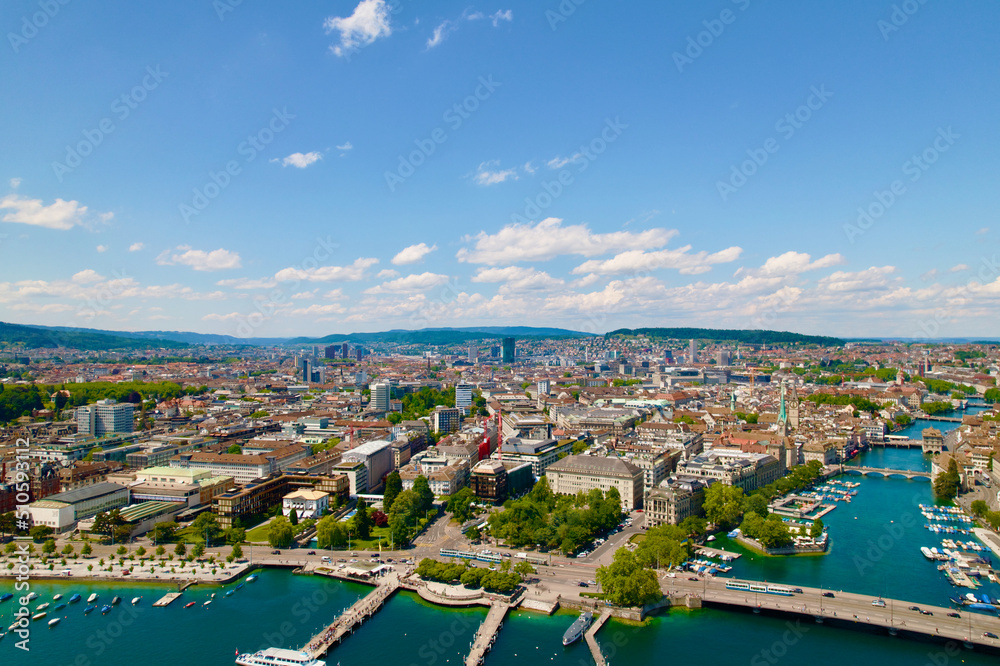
(87,492)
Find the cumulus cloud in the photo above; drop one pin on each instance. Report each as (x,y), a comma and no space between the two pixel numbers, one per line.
(136,247)
(387,274)
(60,214)
(549,239)
(502,15)
(638,261)
(317,309)
(300,160)
(958,267)
(200,260)
(793,263)
(369,21)
(248,283)
(518,279)
(350,273)
(488,173)
(412,254)
(87,276)
(409,284)
(102,248)
(15,183)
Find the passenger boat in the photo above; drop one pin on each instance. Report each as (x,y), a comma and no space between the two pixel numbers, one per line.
(278,657)
(577,629)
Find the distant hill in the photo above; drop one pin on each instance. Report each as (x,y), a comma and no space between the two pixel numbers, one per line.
(35,337)
(756,337)
(442,336)
(186,337)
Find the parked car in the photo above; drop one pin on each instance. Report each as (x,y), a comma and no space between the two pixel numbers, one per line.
(828,594)
(311,552)
(954,615)
(989,634)
(914,608)
(276,552)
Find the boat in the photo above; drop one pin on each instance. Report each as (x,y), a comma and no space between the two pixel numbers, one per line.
(39,616)
(92,598)
(239,586)
(711,537)
(54,621)
(89,609)
(105,609)
(117,600)
(251,578)
(136,600)
(577,629)
(75,598)
(189,604)
(57,597)
(5,596)
(207,602)
(32,596)
(927,552)
(59,607)
(230,592)
(42,607)
(278,657)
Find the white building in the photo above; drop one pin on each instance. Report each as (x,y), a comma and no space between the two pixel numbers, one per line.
(306,503)
(105,417)
(574,474)
(380,397)
(463,397)
(377,458)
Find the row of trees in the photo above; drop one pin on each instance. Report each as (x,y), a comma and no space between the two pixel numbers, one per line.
(549,521)
(504,579)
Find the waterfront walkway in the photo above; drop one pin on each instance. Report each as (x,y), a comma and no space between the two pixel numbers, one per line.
(487,633)
(846,607)
(592,630)
(353,617)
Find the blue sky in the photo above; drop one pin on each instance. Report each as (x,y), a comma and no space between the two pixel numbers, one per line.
(262,169)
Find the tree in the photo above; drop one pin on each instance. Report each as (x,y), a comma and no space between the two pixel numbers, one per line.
(774,533)
(723,504)
(626,583)
(180,549)
(992,395)
(379,518)
(140,551)
(663,547)
(393,486)
(756,503)
(460,505)
(207,525)
(164,531)
(330,533)
(160,550)
(67,549)
(122,550)
(234,535)
(362,521)
(49,546)
(235,449)
(280,532)
(395,418)
(237,551)
(86,551)
(979,508)
(816,530)
(293,517)
(40,532)
(946,484)
(474,533)
(199,549)
(425,496)
(7,523)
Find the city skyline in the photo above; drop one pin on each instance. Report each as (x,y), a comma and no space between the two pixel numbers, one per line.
(374,165)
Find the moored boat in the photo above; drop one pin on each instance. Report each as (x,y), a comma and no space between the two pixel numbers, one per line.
(577,629)
(136,600)
(57,597)
(105,609)
(39,616)
(75,598)
(189,604)
(54,621)
(277,657)
(89,609)
(92,598)
(5,596)
(116,600)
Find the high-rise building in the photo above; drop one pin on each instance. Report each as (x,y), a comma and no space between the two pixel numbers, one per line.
(508,350)
(104,418)
(544,386)
(722,357)
(331,351)
(473,354)
(463,396)
(693,351)
(380,397)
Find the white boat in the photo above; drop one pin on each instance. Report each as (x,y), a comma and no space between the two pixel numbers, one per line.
(577,629)
(32,596)
(54,621)
(39,616)
(251,578)
(278,657)
(92,598)
(42,607)
(711,537)
(136,600)
(927,552)
(57,597)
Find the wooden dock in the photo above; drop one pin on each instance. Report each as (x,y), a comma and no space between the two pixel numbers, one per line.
(352,618)
(167,599)
(595,649)
(716,552)
(487,633)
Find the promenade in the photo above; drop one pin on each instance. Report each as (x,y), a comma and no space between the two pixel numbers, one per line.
(353,617)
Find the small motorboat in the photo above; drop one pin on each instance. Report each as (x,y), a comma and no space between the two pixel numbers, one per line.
(54,621)
(207,602)
(189,604)
(117,600)
(57,597)
(229,592)
(38,616)
(92,598)
(32,596)
(251,578)
(89,609)
(136,600)
(58,607)
(105,609)
(42,607)
(5,596)
(75,598)
(239,586)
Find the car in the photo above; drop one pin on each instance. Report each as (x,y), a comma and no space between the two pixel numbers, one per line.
(311,552)
(828,594)
(926,612)
(581,555)
(697,580)
(954,615)
(914,608)
(592,582)
(276,552)
(878,602)
(582,584)
(797,590)
(989,634)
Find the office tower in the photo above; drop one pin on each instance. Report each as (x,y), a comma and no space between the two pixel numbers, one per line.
(693,351)
(463,396)
(380,397)
(508,350)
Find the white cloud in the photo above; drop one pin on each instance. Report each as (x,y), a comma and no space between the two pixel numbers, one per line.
(518,279)
(412,254)
(529,167)
(793,263)
(387,274)
(87,276)
(559,161)
(502,15)
(409,284)
(15,183)
(136,247)
(984,230)
(300,160)
(549,239)
(350,273)
(638,261)
(488,174)
(369,21)
(221,317)
(316,309)
(958,267)
(345,147)
(440,33)
(247,283)
(60,214)
(200,260)
(102,248)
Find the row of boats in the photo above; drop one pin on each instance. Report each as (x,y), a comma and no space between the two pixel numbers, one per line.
(982,602)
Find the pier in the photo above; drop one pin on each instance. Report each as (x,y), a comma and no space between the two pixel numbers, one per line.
(595,649)
(716,552)
(487,633)
(167,599)
(844,608)
(352,618)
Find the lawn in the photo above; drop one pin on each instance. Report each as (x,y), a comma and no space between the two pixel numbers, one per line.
(258,534)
